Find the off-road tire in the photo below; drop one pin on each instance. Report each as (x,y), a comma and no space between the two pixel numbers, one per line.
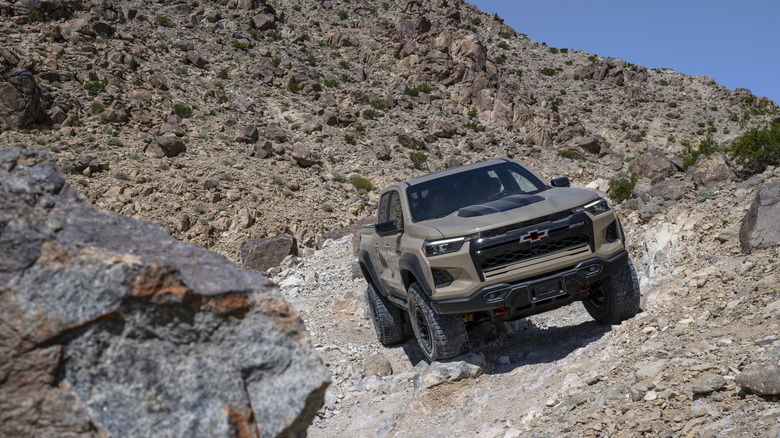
(439,336)
(388,319)
(616,298)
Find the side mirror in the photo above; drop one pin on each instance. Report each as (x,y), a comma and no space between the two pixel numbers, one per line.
(561,182)
(385,227)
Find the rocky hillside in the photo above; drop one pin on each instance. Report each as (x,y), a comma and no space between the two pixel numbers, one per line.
(226,120)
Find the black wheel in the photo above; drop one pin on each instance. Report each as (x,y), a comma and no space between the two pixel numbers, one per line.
(439,336)
(388,319)
(616,298)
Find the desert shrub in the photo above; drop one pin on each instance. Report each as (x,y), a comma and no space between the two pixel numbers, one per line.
(499,60)
(621,187)
(503,45)
(350,139)
(68,167)
(121,176)
(379,104)
(343,15)
(294,86)
(332,83)
(361,183)
(690,154)
(416,90)
(182,111)
(96,107)
(418,159)
(240,46)
(547,71)
(566,153)
(223,74)
(326,208)
(35,16)
(475,126)
(370,114)
(757,148)
(275,61)
(164,21)
(94,87)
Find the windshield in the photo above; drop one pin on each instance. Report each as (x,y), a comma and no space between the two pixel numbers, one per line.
(443,196)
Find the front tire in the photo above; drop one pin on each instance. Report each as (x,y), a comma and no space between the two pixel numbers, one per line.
(388,319)
(439,336)
(616,298)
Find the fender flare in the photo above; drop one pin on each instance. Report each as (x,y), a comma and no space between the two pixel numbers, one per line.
(411,263)
(369,272)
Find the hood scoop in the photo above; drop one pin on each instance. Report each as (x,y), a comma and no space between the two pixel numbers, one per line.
(503,204)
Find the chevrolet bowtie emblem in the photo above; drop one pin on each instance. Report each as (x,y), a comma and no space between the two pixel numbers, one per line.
(533,236)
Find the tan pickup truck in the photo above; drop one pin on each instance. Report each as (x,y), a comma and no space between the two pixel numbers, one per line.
(490,242)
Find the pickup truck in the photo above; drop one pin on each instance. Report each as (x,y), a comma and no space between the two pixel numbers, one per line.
(490,241)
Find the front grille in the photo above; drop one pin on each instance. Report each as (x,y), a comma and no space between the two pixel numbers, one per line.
(510,254)
(522,247)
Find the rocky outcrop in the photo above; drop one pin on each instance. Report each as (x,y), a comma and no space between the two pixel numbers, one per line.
(652,164)
(263,254)
(21,100)
(760,228)
(109,327)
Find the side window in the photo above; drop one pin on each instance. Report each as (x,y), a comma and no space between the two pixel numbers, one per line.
(396,213)
(383,213)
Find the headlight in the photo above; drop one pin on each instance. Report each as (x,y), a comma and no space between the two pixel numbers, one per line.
(596,207)
(443,246)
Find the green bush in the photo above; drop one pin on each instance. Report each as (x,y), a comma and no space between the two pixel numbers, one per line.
(326,208)
(344,64)
(416,90)
(182,111)
(35,16)
(361,183)
(275,61)
(350,139)
(547,71)
(757,148)
(343,15)
(164,21)
(690,154)
(370,114)
(332,83)
(499,60)
(223,74)
(96,107)
(94,87)
(240,46)
(68,167)
(379,104)
(503,45)
(294,87)
(621,187)
(418,159)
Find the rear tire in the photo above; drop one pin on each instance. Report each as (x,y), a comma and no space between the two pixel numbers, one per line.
(388,319)
(616,298)
(439,336)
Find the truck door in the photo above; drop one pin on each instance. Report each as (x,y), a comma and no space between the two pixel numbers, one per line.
(390,253)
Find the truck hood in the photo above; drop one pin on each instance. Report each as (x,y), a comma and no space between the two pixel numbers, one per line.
(495,214)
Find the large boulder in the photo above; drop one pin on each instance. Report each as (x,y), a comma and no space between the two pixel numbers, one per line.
(264,254)
(760,227)
(709,171)
(21,100)
(109,327)
(652,164)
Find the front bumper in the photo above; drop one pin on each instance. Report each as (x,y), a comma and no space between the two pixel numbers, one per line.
(529,297)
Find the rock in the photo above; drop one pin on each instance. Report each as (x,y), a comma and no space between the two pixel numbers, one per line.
(377,365)
(303,156)
(196,59)
(410,142)
(264,254)
(650,370)
(158,81)
(382,152)
(759,227)
(670,189)
(442,128)
(165,146)
(709,171)
(262,149)
(470,366)
(760,379)
(652,164)
(248,135)
(275,133)
(708,383)
(112,328)
(21,100)
(264,22)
